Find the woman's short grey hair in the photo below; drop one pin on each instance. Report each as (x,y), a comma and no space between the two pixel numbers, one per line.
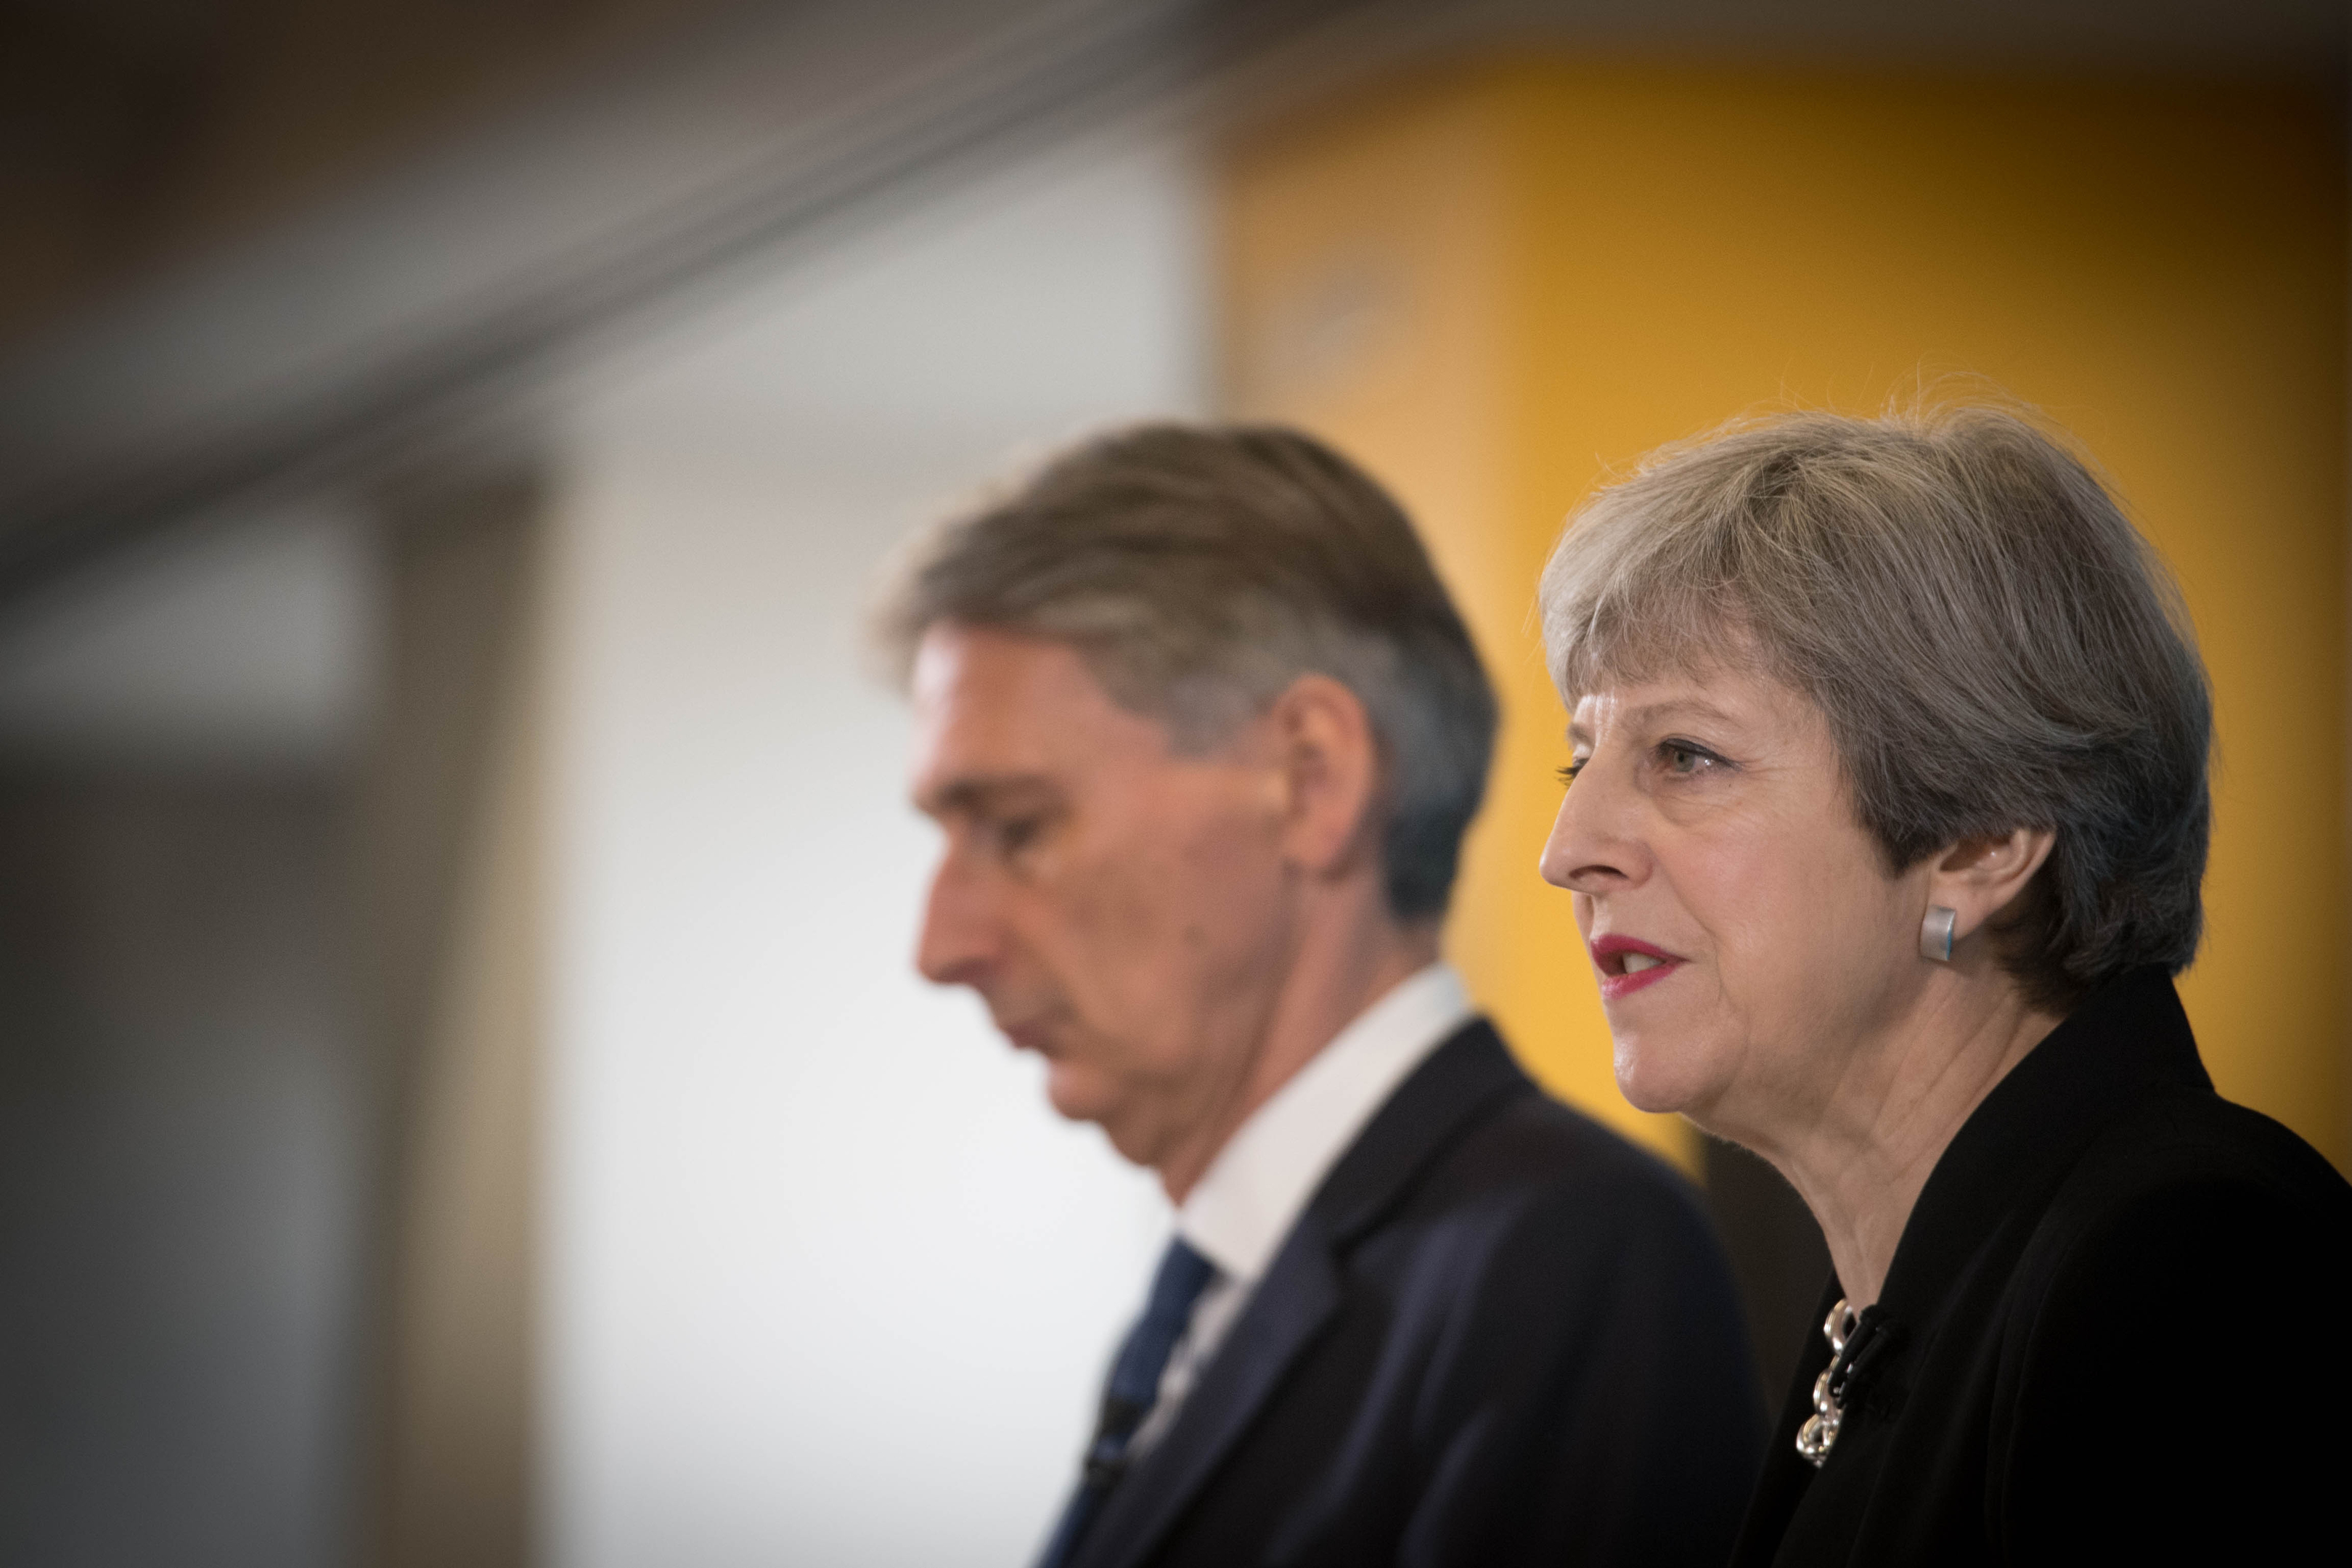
(1993,644)
(1200,570)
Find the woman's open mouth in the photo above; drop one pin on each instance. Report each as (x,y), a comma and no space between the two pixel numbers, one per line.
(1628,964)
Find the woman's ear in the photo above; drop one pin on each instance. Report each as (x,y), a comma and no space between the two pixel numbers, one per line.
(1330,765)
(1978,877)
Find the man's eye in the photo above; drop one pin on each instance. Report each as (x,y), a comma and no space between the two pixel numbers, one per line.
(1016,835)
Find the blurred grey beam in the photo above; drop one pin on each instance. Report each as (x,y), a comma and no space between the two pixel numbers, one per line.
(420,306)
(452,831)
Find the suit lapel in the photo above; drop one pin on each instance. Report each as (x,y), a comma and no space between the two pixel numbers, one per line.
(1301,1290)
(1299,1295)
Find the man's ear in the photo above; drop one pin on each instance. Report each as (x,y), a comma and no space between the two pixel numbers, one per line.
(1978,877)
(1329,765)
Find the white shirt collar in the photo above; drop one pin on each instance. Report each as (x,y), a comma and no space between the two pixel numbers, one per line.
(1255,1189)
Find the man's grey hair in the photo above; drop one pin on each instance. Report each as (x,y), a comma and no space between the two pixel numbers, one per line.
(1199,570)
(1993,644)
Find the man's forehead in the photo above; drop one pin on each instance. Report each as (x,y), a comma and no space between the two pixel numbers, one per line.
(997,710)
(1000,694)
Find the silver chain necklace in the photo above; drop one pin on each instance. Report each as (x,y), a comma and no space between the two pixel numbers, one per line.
(1819,1434)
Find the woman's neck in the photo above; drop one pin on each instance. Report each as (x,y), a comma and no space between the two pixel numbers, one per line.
(1860,1156)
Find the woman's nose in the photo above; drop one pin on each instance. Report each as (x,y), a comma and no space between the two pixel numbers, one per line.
(1589,850)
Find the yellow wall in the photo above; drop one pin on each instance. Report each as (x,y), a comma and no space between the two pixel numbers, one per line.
(1500,282)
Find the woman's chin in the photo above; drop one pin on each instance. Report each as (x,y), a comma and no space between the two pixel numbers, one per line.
(1659,1080)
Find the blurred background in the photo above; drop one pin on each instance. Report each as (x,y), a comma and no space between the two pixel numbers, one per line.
(464,1095)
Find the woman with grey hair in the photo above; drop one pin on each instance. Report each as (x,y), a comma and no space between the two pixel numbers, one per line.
(1887,819)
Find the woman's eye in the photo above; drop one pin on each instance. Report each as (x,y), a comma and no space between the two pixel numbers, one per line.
(1683,760)
(1567,774)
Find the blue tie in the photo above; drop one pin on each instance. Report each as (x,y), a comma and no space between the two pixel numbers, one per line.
(1133,1389)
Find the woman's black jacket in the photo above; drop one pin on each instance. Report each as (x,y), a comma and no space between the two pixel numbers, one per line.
(2117,1328)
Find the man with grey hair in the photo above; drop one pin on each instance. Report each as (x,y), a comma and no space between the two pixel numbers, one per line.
(1203,733)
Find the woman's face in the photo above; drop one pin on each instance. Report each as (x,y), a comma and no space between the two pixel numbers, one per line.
(1747,936)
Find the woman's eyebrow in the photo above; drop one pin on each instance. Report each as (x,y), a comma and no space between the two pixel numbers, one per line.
(1653,713)
(1650,715)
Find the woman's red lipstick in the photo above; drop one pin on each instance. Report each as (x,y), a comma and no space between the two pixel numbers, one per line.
(1609,956)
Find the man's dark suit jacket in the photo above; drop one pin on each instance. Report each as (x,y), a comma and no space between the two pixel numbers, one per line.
(1499,1334)
(2118,1328)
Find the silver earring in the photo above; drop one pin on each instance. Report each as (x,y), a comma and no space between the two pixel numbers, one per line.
(1936,933)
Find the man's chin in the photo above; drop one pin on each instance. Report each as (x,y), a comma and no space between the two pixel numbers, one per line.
(1077,1095)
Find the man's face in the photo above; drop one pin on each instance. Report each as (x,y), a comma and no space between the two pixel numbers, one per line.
(1121,907)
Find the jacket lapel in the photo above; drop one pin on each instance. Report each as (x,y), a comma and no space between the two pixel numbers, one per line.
(1301,1290)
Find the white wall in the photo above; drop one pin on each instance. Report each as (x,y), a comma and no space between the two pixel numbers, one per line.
(829,1284)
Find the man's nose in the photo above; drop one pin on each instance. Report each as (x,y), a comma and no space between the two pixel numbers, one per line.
(1593,848)
(958,938)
